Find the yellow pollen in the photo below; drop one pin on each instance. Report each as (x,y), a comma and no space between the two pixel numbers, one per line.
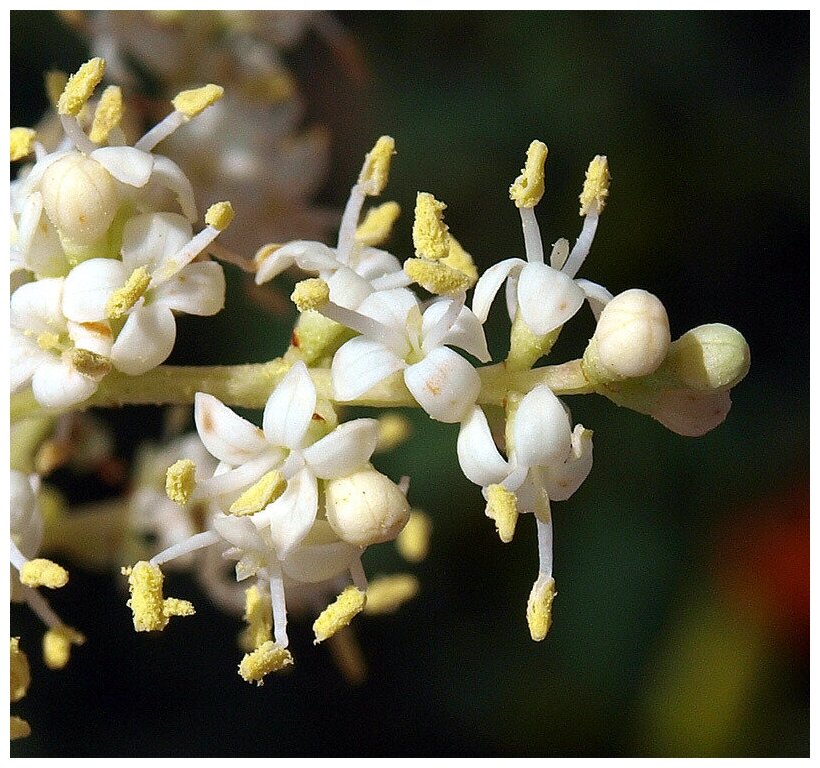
(268,657)
(275,88)
(312,293)
(90,363)
(219,215)
(57,644)
(338,614)
(528,188)
(503,508)
(21,142)
(539,607)
(124,298)
(376,169)
(460,260)
(80,86)
(20,673)
(413,542)
(387,594)
(192,102)
(108,115)
(48,340)
(259,617)
(43,573)
(180,481)
(151,611)
(269,487)
(394,429)
(378,224)
(596,186)
(430,237)
(18,728)
(55,82)
(436,277)
(264,252)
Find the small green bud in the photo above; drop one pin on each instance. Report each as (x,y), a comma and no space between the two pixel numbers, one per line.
(709,357)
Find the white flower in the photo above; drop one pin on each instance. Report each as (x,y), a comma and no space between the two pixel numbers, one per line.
(156,278)
(396,336)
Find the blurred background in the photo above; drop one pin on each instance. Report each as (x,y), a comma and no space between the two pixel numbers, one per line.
(682,565)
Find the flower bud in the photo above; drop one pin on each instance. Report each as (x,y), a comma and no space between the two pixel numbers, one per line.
(80,198)
(689,412)
(709,357)
(631,339)
(365,508)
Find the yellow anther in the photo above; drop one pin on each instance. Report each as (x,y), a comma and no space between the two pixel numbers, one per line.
(108,114)
(43,573)
(274,88)
(430,237)
(219,215)
(268,657)
(387,594)
(436,276)
(264,252)
(394,429)
(90,363)
(376,169)
(21,142)
(124,298)
(539,607)
(192,102)
(528,188)
(502,507)
(18,728)
(259,617)
(180,481)
(151,611)
(269,487)
(80,86)
(378,224)
(413,542)
(55,82)
(338,614)
(460,260)
(57,644)
(48,341)
(20,673)
(596,186)
(312,293)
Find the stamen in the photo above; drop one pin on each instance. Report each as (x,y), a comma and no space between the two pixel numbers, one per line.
(430,237)
(258,617)
(279,608)
(74,131)
(268,488)
(192,544)
(235,479)
(80,86)
(268,657)
(57,643)
(48,341)
(460,260)
(41,608)
(187,104)
(126,297)
(436,277)
(151,612)
(90,364)
(413,542)
(528,188)
(539,607)
(358,575)
(394,429)
(502,507)
(378,224)
(21,143)
(217,218)
(338,614)
(219,215)
(180,481)
(347,227)
(582,246)
(533,245)
(594,195)
(43,573)
(387,594)
(19,670)
(544,545)
(376,169)
(108,115)
(312,293)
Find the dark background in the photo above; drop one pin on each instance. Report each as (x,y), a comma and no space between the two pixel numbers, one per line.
(682,565)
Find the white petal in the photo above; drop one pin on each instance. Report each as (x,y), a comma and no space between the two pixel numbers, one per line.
(41,166)
(372,263)
(321,556)
(89,286)
(226,435)
(126,164)
(444,384)
(532,496)
(272,266)
(346,449)
(292,515)
(24,358)
(691,413)
(562,480)
(168,174)
(347,289)
(239,531)
(466,333)
(38,241)
(489,283)
(37,306)
(198,289)
(547,298)
(290,408)
(597,296)
(478,456)
(56,384)
(149,239)
(511,296)
(359,365)
(391,308)
(95,337)
(541,429)
(145,340)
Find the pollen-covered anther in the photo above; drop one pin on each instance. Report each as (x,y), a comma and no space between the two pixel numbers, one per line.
(413,542)
(80,86)
(378,224)
(461,261)
(47,340)
(55,82)
(180,481)
(430,237)
(338,614)
(268,488)
(264,252)
(539,607)
(268,657)
(19,671)
(43,573)
(108,114)
(191,103)
(528,189)
(219,215)
(437,277)
(18,728)
(376,168)
(596,186)
(21,143)
(57,643)
(387,594)
(394,429)
(90,364)
(126,297)
(259,618)
(150,610)
(312,293)
(502,507)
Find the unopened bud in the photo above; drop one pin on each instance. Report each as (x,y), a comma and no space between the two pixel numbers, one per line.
(709,357)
